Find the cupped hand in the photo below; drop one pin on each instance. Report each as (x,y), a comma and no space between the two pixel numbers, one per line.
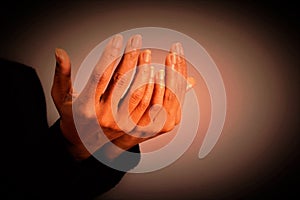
(118,96)
(163,112)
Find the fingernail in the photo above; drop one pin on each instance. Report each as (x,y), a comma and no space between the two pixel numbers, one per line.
(152,74)
(59,55)
(161,76)
(136,41)
(179,49)
(117,41)
(173,58)
(147,56)
(190,83)
(151,71)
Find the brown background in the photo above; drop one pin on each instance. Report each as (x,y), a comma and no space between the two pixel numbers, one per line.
(255,47)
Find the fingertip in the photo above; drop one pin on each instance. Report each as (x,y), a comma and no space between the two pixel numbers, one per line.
(161,78)
(137,38)
(62,60)
(135,42)
(119,36)
(191,82)
(60,55)
(145,57)
(117,41)
(177,48)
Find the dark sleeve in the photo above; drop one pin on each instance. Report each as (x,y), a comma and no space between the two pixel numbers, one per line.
(89,178)
(34,161)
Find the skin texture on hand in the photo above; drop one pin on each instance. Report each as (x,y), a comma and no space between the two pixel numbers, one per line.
(128,110)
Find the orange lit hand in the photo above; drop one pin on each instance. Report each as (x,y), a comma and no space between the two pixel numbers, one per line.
(163,112)
(102,100)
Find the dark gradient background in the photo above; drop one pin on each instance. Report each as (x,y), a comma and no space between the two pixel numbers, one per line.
(255,46)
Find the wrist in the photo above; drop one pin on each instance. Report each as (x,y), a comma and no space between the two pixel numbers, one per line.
(73,146)
(78,152)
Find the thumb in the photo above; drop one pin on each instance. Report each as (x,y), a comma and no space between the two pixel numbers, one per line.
(62,85)
(63,64)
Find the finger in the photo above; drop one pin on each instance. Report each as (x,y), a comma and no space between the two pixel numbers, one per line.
(158,93)
(144,58)
(153,109)
(191,82)
(180,66)
(170,102)
(140,81)
(123,73)
(103,70)
(171,83)
(153,120)
(62,85)
(136,93)
(63,63)
(159,90)
(119,83)
(143,105)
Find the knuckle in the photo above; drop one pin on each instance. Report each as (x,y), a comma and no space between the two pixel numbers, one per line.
(95,78)
(136,96)
(169,96)
(120,79)
(131,56)
(109,57)
(117,76)
(105,76)
(144,103)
